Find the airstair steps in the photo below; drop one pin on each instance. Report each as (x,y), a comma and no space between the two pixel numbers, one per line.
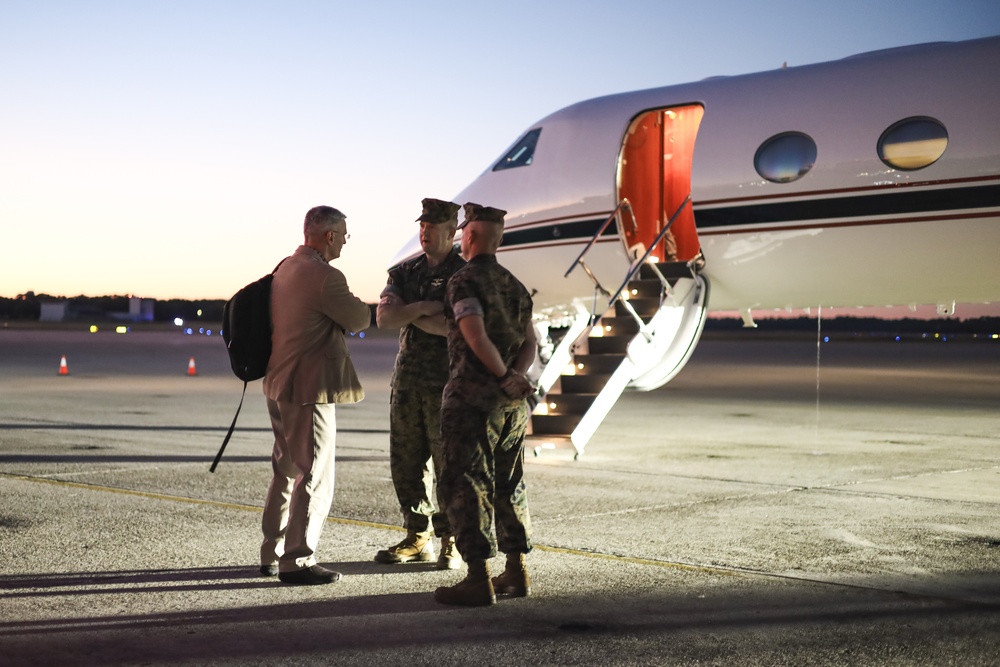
(618,326)
(589,364)
(561,404)
(609,344)
(645,307)
(554,424)
(675,270)
(616,350)
(583,384)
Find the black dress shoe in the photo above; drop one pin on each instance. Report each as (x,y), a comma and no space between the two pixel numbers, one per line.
(309,576)
(269,570)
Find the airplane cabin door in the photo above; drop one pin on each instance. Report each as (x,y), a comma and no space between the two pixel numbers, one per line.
(654,174)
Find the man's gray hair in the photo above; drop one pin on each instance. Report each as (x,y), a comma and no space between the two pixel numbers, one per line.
(321,218)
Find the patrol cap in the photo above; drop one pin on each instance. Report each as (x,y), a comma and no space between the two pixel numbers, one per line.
(437,211)
(474,212)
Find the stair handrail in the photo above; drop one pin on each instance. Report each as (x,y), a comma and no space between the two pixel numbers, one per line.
(638,264)
(624,203)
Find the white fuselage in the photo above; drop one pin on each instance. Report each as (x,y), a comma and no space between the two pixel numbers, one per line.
(853,231)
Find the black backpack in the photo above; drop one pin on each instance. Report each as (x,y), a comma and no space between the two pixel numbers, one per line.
(246,330)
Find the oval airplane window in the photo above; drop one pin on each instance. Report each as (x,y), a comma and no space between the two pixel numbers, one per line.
(913,143)
(785,157)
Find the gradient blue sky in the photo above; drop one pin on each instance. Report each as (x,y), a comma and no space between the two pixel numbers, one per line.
(171,149)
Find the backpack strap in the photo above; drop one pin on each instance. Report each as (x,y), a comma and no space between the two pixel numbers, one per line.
(230,433)
(232,426)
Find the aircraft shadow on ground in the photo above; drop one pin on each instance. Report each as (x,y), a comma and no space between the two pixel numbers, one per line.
(819,616)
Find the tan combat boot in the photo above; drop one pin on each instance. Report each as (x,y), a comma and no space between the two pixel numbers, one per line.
(449,559)
(514,580)
(476,590)
(415,548)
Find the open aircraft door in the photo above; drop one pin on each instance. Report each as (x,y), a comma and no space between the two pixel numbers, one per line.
(654,175)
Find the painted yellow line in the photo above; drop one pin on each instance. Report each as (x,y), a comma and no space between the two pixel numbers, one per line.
(363,524)
(129,492)
(636,561)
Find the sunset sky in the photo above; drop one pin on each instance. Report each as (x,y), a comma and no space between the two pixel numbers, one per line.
(171,149)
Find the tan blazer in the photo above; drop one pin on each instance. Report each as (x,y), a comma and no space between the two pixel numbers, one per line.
(311,306)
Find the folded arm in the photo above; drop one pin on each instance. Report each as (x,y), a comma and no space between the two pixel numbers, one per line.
(394,313)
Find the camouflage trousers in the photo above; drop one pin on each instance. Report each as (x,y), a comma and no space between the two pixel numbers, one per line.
(415,457)
(483,478)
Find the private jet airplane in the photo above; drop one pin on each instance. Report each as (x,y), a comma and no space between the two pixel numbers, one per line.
(868,181)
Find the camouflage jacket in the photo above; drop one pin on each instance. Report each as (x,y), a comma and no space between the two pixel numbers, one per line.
(483,287)
(422,362)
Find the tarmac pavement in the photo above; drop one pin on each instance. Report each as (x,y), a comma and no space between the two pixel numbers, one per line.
(780,502)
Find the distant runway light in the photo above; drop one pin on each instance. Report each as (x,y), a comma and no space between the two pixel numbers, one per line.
(93,328)
(178,322)
(121,329)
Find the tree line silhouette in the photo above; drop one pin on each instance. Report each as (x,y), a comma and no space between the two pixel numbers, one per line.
(27,307)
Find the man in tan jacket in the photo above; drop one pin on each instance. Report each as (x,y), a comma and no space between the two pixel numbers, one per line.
(310,370)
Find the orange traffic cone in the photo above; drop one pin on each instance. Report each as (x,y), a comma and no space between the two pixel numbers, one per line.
(63,368)
(191,368)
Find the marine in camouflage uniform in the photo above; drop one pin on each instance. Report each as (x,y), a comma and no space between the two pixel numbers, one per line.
(484,415)
(418,378)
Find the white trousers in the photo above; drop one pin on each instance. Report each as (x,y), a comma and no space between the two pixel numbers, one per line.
(301,491)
